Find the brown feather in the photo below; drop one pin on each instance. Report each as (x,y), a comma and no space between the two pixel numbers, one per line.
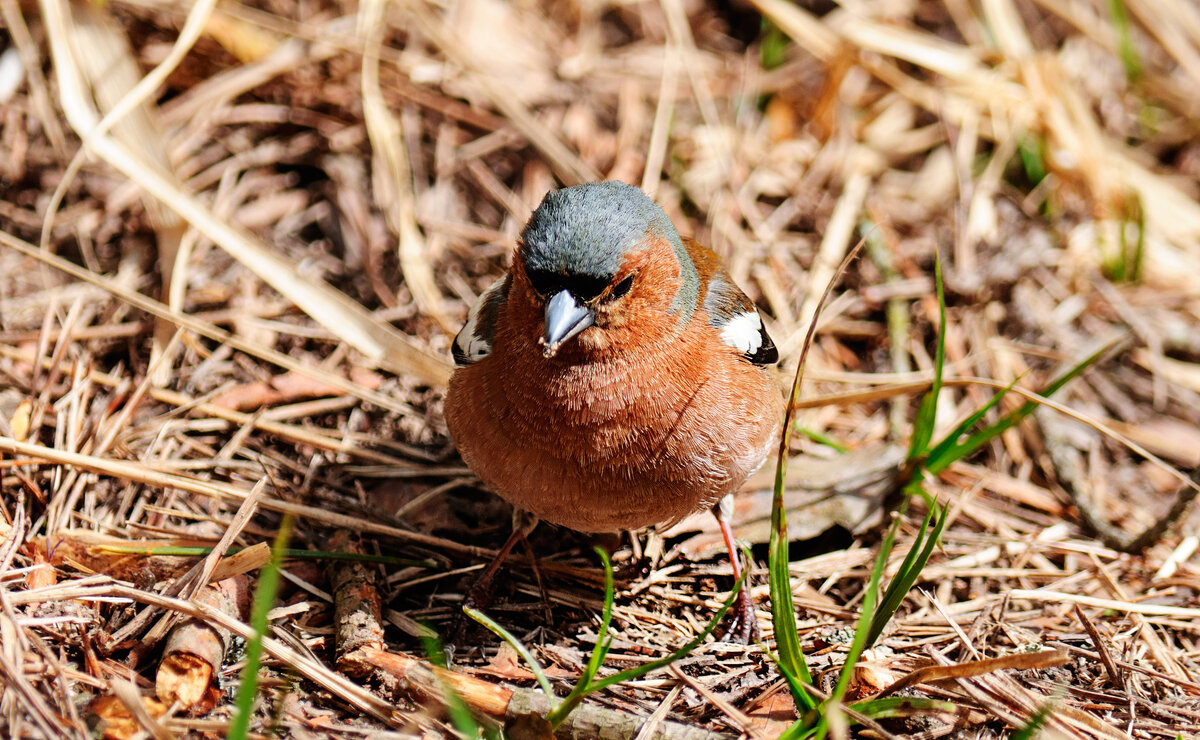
(638,420)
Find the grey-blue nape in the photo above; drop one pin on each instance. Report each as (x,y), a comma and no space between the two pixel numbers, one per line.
(587,230)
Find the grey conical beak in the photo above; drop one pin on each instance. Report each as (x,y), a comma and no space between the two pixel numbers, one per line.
(565,317)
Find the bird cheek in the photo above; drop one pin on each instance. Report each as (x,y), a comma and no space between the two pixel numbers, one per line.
(612,316)
(593,339)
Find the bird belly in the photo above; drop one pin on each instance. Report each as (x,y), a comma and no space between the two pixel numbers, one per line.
(590,449)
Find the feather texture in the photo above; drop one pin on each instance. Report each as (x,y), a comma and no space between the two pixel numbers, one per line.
(658,410)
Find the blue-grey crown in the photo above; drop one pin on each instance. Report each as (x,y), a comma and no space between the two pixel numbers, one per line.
(585,231)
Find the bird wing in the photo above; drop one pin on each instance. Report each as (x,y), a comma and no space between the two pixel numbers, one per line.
(474,341)
(729,310)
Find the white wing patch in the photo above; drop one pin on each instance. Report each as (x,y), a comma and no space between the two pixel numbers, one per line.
(473,341)
(471,347)
(744,332)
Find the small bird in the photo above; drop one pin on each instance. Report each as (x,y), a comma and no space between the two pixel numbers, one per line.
(616,377)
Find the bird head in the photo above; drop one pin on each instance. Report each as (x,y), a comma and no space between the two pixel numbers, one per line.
(606,268)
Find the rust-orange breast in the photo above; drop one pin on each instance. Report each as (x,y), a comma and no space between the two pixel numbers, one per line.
(622,442)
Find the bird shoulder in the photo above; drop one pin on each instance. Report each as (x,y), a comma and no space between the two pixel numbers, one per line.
(729,310)
(474,341)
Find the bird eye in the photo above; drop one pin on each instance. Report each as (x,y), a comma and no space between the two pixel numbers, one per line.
(543,282)
(622,288)
(583,287)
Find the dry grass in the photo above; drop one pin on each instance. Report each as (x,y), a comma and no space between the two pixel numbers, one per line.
(229,290)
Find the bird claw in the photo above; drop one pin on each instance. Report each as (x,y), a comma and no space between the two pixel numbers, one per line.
(741,622)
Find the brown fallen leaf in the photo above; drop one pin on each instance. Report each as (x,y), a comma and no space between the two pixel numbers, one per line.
(186,679)
(870,677)
(111,720)
(773,715)
(507,664)
(42,573)
(19,423)
(282,388)
(845,491)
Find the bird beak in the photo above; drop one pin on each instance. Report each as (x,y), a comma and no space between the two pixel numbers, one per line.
(565,318)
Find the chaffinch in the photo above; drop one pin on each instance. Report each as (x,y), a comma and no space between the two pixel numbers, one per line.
(615,378)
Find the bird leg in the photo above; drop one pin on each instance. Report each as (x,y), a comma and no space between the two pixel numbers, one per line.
(741,623)
(480,594)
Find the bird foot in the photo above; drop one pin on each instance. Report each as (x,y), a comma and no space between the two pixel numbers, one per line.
(479,597)
(741,622)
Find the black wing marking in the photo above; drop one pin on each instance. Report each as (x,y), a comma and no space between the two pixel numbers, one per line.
(474,341)
(732,314)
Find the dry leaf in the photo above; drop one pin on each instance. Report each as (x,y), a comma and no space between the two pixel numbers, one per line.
(283,388)
(113,720)
(19,423)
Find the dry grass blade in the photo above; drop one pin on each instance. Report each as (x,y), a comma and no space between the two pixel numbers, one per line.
(376,339)
(1019,662)
(202,327)
(1122,606)
(388,154)
(391,174)
(149,476)
(128,695)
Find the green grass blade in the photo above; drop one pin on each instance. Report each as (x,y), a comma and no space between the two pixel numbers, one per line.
(902,706)
(773,47)
(783,607)
(942,453)
(632,673)
(460,714)
(799,730)
(516,644)
(586,685)
(903,582)
(793,681)
(867,616)
(1030,729)
(1139,251)
(927,412)
(583,686)
(783,610)
(1129,55)
(1032,151)
(264,599)
(865,632)
(603,641)
(982,437)
(822,439)
(914,562)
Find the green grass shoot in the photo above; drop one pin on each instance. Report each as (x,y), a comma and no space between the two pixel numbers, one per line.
(457,709)
(822,439)
(285,554)
(1124,30)
(1124,264)
(1030,729)
(1032,151)
(926,420)
(789,657)
(588,683)
(264,599)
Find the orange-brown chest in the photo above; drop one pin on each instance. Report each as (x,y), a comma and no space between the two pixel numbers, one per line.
(620,442)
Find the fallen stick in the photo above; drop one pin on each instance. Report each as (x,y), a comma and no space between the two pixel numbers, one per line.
(523,711)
